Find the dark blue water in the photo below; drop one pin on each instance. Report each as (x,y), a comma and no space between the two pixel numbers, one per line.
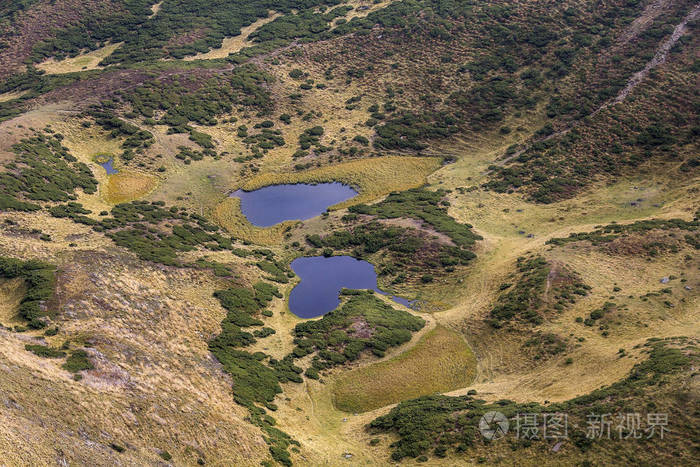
(403,301)
(276,203)
(109,166)
(322,279)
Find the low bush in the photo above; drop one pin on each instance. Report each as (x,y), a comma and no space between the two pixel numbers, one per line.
(78,361)
(39,280)
(363,323)
(437,423)
(44,351)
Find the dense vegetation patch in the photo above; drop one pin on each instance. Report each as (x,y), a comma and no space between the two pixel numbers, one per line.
(362,323)
(430,242)
(427,206)
(39,280)
(410,131)
(158,234)
(78,361)
(42,170)
(278,272)
(254,382)
(546,172)
(185,27)
(611,232)
(526,299)
(440,423)
(44,351)
(402,254)
(185,98)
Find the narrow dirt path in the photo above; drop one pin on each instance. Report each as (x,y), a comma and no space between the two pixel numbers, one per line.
(659,58)
(643,21)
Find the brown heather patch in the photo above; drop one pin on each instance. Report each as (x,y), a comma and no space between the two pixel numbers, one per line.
(361,329)
(424,230)
(187,38)
(154,387)
(39,23)
(642,244)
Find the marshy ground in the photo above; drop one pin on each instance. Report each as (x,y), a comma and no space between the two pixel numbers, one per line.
(468,211)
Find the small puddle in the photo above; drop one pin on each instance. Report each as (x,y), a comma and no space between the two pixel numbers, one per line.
(322,278)
(276,203)
(108,164)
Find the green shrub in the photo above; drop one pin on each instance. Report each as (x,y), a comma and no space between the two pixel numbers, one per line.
(333,338)
(78,361)
(44,351)
(39,281)
(117,447)
(437,422)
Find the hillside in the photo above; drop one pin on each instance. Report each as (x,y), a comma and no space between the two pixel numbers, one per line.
(526,179)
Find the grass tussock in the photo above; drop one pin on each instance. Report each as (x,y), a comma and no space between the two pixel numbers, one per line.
(127,186)
(373,178)
(440,362)
(228,215)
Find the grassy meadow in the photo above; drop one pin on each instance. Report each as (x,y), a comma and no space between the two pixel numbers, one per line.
(440,362)
(373,178)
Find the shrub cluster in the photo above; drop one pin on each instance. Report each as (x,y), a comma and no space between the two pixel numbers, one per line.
(136,139)
(427,206)
(254,382)
(158,234)
(39,280)
(362,323)
(610,232)
(524,301)
(42,170)
(434,424)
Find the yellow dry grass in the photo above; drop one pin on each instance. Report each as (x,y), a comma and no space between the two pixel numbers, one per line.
(362,8)
(82,62)
(373,178)
(167,395)
(441,361)
(8,96)
(11,293)
(228,215)
(155,8)
(234,44)
(128,185)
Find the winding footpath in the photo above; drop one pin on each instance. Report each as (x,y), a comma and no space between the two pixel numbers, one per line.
(659,58)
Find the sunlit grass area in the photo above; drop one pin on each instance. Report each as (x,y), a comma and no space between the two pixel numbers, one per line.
(441,361)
